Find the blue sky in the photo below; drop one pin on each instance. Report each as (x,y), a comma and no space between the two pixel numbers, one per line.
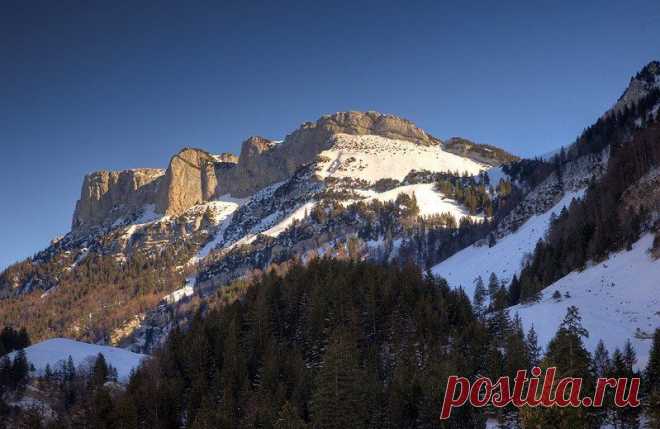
(111,85)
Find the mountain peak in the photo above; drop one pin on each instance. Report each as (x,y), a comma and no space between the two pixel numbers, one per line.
(363,123)
(646,80)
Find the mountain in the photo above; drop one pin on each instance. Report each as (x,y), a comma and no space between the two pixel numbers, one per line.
(586,230)
(141,236)
(150,246)
(641,85)
(242,270)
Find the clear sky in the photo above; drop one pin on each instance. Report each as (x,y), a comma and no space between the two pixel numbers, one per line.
(89,85)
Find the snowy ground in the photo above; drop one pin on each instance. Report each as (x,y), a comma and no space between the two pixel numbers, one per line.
(223,207)
(56,350)
(184,292)
(616,298)
(371,158)
(429,201)
(298,214)
(504,259)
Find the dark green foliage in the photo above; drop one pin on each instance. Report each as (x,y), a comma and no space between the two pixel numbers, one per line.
(336,344)
(652,382)
(594,226)
(11,340)
(566,351)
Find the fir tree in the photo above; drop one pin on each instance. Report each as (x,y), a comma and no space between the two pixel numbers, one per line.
(514,291)
(533,349)
(493,286)
(652,382)
(602,364)
(566,352)
(479,299)
(338,399)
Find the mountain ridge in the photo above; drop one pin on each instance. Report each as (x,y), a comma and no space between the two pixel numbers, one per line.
(194,175)
(405,196)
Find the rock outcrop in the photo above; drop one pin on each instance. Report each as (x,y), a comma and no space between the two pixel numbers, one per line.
(190,179)
(194,176)
(262,162)
(483,153)
(226,158)
(108,195)
(640,86)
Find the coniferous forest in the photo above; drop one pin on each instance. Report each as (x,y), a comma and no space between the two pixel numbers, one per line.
(338,344)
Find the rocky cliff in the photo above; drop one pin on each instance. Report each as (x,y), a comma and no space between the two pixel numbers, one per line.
(108,195)
(194,176)
(190,180)
(262,162)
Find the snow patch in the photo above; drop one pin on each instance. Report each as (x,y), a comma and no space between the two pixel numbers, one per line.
(57,350)
(618,299)
(429,201)
(298,214)
(371,157)
(505,258)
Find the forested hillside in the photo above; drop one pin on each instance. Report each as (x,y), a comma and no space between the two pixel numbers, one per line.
(338,344)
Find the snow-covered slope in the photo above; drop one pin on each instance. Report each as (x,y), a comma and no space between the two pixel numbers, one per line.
(429,201)
(370,158)
(222,209)
(619,299)
(505,258)
(56,350)
(298,214)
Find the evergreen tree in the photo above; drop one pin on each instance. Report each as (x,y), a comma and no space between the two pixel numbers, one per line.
(338,399)
(629,356)
(533,349)
(479,299)
(516,349)
(622,367)
(100,372)
(567,353)
(514,291)
(493,286)
(652,382)
(20,370)
(602,362)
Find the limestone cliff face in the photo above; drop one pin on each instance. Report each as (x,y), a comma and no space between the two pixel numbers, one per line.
(190,179)
(263,162)
(108,195)
(259,165)
(194,176)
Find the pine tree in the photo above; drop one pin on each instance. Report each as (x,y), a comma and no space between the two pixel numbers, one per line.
(622,367)
(514,291)
(20,369)
(499,322)
(493,286)
(533,349)
(516,350)
(602,362)
(572,323)
(100,372)
(338,397)
(629,356)
(652,382)
(479,299)
(566,352)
